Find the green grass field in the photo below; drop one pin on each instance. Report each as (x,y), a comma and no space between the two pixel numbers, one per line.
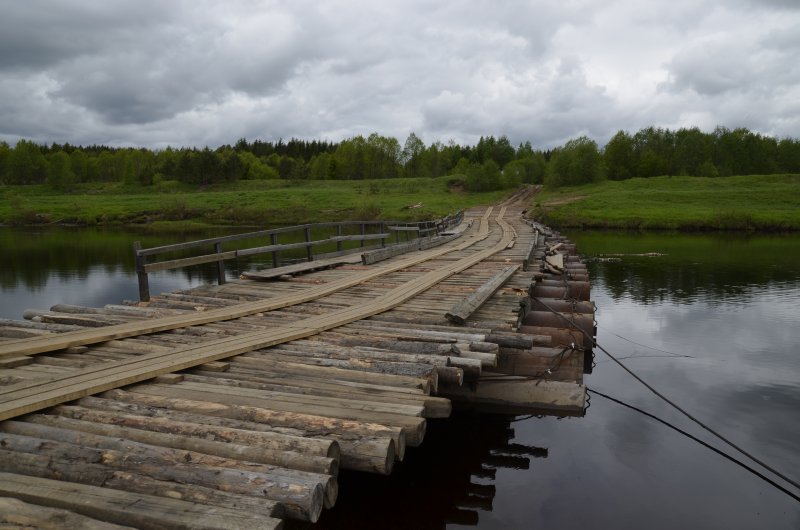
(769,203)
(755,202)
(240,203)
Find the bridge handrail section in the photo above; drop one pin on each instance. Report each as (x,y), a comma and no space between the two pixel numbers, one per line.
(366,233)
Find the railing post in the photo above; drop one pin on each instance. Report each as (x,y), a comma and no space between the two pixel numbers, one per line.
(309,252)
(144,284)
(338,234)
(220,264)
(363,232)
(383,231)
(273,240)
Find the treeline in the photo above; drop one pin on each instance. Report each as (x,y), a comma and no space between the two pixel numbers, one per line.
(493,163)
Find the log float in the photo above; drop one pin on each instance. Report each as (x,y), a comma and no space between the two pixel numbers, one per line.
(367,396)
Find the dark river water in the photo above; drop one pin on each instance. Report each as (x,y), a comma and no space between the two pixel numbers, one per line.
(712,322)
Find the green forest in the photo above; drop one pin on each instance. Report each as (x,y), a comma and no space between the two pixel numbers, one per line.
(491,164)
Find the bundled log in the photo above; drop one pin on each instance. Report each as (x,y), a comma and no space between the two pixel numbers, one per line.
(186,436)
(433,407)
(301,494)
(146,512)
(21,515)
(274,374)
(403,368)
(336,374)
(342,430)
(400,416)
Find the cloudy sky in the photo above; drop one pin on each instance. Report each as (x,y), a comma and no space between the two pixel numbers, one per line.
(193,73)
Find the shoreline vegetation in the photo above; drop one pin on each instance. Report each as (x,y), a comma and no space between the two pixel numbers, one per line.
(762,203)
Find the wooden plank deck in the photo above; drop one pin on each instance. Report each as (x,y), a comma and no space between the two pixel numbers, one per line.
(281,382)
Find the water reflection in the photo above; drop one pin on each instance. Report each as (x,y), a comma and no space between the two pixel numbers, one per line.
(690,267)
(449,481)
(94,267)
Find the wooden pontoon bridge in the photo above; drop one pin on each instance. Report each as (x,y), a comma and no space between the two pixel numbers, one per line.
(235,405)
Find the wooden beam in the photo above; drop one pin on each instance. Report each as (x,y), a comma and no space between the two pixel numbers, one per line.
(186,262)
(463,309)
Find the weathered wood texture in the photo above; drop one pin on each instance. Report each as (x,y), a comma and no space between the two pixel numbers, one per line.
(250,396)
(462,310)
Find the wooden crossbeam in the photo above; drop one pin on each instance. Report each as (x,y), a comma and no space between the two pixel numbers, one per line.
(464,308)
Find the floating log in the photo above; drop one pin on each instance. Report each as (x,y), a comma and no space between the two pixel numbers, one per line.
(146,512)
(577,290)
(560,337)
(184,436)
(337,374)
(400,416)
(171,421)
(301,422)
(584,323)
(303,498)
(562,306)
(433,407)
(15,514)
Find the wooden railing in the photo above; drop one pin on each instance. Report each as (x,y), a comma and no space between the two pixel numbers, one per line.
(365,231)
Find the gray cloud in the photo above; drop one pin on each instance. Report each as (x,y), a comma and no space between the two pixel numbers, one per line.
(193,73)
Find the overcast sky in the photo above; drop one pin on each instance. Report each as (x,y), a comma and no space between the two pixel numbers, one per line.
(192,73)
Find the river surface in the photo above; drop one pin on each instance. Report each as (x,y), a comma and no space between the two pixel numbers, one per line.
(712,321)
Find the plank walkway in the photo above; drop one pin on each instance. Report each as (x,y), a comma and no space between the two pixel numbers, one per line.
(249,396)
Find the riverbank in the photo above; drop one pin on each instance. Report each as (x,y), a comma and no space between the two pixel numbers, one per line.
(745,203)
(170,204)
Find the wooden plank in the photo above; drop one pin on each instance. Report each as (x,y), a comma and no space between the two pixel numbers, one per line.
(555,261)
(531,250)
(186,262)
(296,268)
(13,362)
(142,511)
(463,309)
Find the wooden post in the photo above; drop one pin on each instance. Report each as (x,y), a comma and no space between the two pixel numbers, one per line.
(273,240)
(383,231)
(338,234)
(144,284)
(363,232)
(309,247)
(220,264)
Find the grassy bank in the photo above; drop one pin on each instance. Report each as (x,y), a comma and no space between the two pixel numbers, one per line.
(238,203)
(755,202)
